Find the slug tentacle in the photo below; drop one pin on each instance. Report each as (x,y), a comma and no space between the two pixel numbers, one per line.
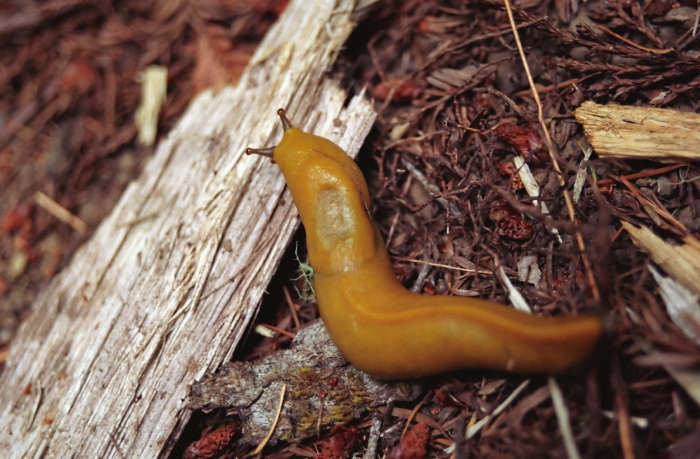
(378,325)
(286,124)
(267,152)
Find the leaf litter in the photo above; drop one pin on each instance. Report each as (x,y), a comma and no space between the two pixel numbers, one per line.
(455,111)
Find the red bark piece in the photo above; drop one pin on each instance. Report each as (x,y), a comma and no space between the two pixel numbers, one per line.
(405,91)
(213,443)
(16,218)
(510,222)
(344,440)
(414,444)
(524,140)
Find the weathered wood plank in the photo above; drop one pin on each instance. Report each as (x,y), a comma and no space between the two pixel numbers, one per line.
(167,285)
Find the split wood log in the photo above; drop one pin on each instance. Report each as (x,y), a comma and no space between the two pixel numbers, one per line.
(168,284)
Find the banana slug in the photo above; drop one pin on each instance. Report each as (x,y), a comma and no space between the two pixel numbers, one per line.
(378,325)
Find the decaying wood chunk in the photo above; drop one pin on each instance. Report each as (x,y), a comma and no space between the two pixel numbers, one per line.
(682,262)
(323,390)
(640,132)
(168,284)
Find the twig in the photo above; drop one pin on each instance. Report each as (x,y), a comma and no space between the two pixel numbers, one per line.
(292,308)
(262,444)
(550,147)
(410,418)
(472,40)
(419,417)
(440,265)
(631,43)
(563,417)
(514,295)
(649,205)
(60,212)
(622,411)
(473,430)
(581,174)
(550,87)
(289,335)
(653,172)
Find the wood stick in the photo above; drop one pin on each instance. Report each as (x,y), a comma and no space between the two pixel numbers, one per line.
(640,132)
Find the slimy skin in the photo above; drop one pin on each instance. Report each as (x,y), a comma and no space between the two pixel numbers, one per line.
(379,326)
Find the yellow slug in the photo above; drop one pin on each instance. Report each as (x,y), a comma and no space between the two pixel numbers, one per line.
(378,325)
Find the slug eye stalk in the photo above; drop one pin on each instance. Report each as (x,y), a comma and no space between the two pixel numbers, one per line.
(269,151)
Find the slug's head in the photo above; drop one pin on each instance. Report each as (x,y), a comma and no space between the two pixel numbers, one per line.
(331,195)
(300,154)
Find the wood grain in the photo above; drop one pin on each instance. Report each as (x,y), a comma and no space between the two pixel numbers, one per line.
(640,132)
(171,279)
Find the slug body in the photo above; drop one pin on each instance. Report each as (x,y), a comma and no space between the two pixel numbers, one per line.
(378,325)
